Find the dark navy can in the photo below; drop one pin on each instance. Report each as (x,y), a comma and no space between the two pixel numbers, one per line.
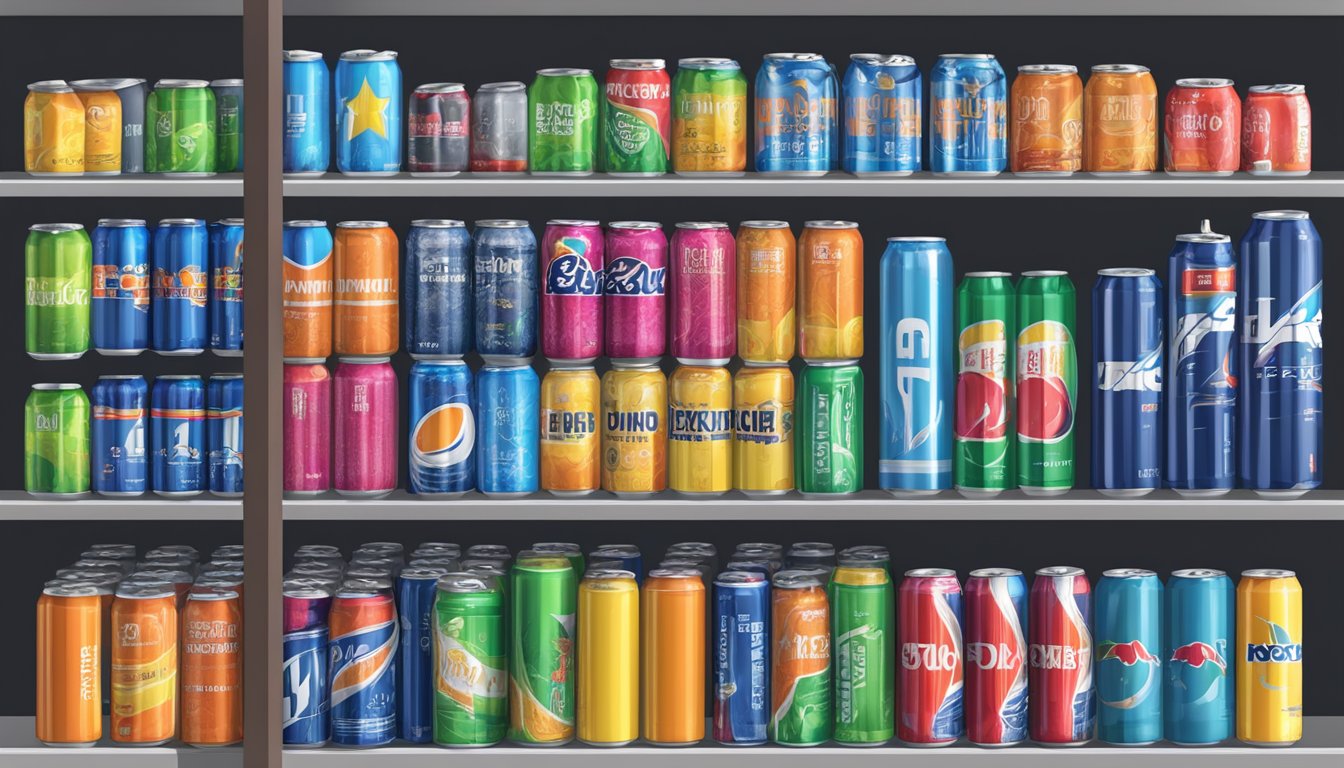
(627,555)
(224,433)
(305,705)
(120,295)
(369,113)
(442,429)
(797,104)
(1127,351)
(225,304)
(180,269)
(416,590)
(741,657)
(508,414)
(882,115)
(968,115)
(1280,426)
(437,290)
(120,413)
(1199,634)
(177,436)
(307,114)
(505,263)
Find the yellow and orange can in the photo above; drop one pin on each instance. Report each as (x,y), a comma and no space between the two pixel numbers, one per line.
(608,658)
(1269,658)
(763,431)
(1046,122)
(673,634)
(830,291)
(144,664)
(212,668)
(634,431)
(1120,120)
(767,263)
(700,430)
(102,130)
(69,665)
(571,445)
(53,130)
(365,289)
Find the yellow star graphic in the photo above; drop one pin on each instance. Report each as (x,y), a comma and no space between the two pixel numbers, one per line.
(365,113)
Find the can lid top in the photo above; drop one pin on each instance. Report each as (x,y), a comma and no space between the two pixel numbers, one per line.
(1125,272)
(1048,69)
(57,387)
(637,63)
(121,222)
(883,59)
(61,227)
(1119,69)
(145,590)
(106,83)
(359,361)
(1281,215)
(365,54)
(301,223)
(1059,570)
(930,573)
(440,223)
(72,589)
(674,573)
(1204,82)
(298,54)
(507,86)
(1045,273)
(170,83)
(462,581)
(121,376)
(360,224)
(181,222)
(1267,573)
(702,225)
(764,224)
(798,578)
(994,573)
(830,224)
(1285,88)
(564,72)
(1197,573)
(231,222)
(440,88)
(1128,573)
(988,274)
(227,82)
(573,223)
(794,57)
(641,225)
(608,574)
(740,577)
(422,573)
(984,56)
(915,239)
(51,86)
(501,224)
(707,62)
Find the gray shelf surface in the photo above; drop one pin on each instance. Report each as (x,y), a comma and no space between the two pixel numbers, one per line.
(19,506)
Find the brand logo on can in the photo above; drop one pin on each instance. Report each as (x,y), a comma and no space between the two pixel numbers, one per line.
(443,437)
(570,273)
(629,276)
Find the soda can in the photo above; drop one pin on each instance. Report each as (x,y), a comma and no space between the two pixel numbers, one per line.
(626,556)
(767,264)
(571,445)
(182,116)
(437,290)
(996,657)
(968,115)
(179,258)
(229,121)
(144,643)
(1127,350)
(741,658)
(882,129)
(1047,121)
(571,292)
(368,113)
(307,113)
(608,658)
(120,298)
(542,599)
(1198,642)
(700,431)
(672,631)
(983,452)
(709,118)
(1120,119)
(796,114)
(364,403)
(212,668)
(365,637)
(70,646)
(129,93)
(470,661)
(225,303)
(57,276)
(308,278)
(633,292)
(1269,664)
(509,412)
(305,664)
(53,130)
(1202,128)
(365,289)
(417,589)
(702,293)
(800,671)
(118,435)
(1276,131)
(562,105)
(636,118)
(830,445)
(499,124)
(102,129)
(634,432)
(864,650)
(504,252)
(307,429)
(438,130)
(930,680)
(1061,657)
(224,433)
(830,292)
(442,429)
(177,436)
(1129,664)
(1047,382)
(763,453)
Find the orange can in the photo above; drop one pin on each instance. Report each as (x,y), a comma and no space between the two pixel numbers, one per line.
(212,668)
(365,290)
(571,443)
(1046,124)
(308,274)
(766,263)
(830,291)
(102,131)
(69,665)
(673,632)
(144,664)
(1120,117)
(53,130)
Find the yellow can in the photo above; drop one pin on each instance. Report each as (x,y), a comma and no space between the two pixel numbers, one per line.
(634,431)
(102,131)
(608,663)
(766,267)
(53,130)
(763,438)
(700,430)
(1269,658)
(570,443)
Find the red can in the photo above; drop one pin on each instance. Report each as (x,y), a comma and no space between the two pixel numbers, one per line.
(928,633)
(996,657)
(1060,657)
(637,118)
(1276,131)
(634,298)
(1202,128)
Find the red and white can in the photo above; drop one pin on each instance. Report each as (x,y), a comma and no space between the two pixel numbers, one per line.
(1276,131)
(1203,128)
(929,683)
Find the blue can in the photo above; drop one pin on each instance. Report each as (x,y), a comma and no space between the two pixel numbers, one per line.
(1128,640)
(508,463)
(741,657)
(180,261)
(1199,695)
(305,705)
(796,109)
(1127,382)
(120,296)
(1279,420)
(369,113)
(176,436)
(224,433)
(226,288)
(118,433)
(442,429)
(627,555)
(436,288)
(1201,376)
(505,256)
(307,126)
(883,114)
(916,376)
(416,590)
(968,115)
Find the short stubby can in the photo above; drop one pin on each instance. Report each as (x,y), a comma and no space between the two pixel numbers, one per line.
(700,431)
(308,273)
(53,130)
(507,415)
(499,123)
(306,400)
(365,287)
(305,663)
(984,455)
(438,130)
(882,133)
(120,296)
(130,93)
(229,120)
(179,278)
(470,661)
(177,436)
(181,140)
(1202,128)
(225,302)
(442,429)
(571,291)
(365,636)
(224,433)
(634,286)
(767,266)
(968,115)
(1120,120)
(504,255)
(57,274)
(702,293)
(368,113)
(56,441)
(1046,121)
(763,435)
(1128,650)
(634,432)
(1269,658)
(1046,382)
(1127,357)
(830,292)
(1198,643)
(636,118)
(800,658)
(102,128)
(118,453)
(709,118)
(1276,131)
(829,445)
(306,130)
(571,440)
(797,110)
(929,683)
(742,645)
(364,410)
(563,115)
(995,626)
(1060,657)
(417,589)
(436,286)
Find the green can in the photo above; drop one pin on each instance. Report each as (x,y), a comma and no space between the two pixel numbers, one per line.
(1047,382)
(801,674)
(541,663)
(228,124)
(864,649)
(56,441)
(562,131)
(829,439)
(470,662)
(984,458)
(180,118)
(58,277)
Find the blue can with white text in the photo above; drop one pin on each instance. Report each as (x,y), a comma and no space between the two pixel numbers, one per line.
(741,627)
(1127,347)
(437,290)
(225,304)
(307,114)
(119,300)
(509,417)
(505,266)
(177,436)
(368,113)
(224,433)
(178,287)
(968,115)
(120,416)
(882,115)
(442,429)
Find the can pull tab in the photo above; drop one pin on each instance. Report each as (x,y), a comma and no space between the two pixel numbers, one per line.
(1204,227)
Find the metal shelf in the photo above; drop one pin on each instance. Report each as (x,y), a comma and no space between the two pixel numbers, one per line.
(19,749)
(806,8)
(19,184)
(19,506)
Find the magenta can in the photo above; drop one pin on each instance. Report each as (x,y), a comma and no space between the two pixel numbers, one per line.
(366,426)
(571,292)
(633,286)
(307,429)
(702,286)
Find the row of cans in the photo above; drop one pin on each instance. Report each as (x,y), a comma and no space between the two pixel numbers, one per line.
(155,642)
(177,290)
(179,439)
(97,127)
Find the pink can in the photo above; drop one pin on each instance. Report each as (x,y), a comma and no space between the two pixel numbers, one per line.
(571,292)
(366,426)
(307,429)
(633,285)
(702,285)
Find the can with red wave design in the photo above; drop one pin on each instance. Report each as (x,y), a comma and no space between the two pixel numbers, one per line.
(1276,131)
(1060,657)
(634,282)
(636,118)
(702,287)
(365,402)
(929,681)
(571,292)
(996,657)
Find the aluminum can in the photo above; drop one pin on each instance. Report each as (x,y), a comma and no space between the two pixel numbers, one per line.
(882,130)
(307,429)
(364,404)
(120,289)
(1047,382)
(800,672)
(796,115)
(931,679)
(120,413)
(129,93)
(767,264)
(672,631)
(505,256)
(442,429)
(634,287)
(225,304)
(541,668)
(1280,430)
(308,278)
(709,118)
(102,130)
(627,556)
(968,115)
(438,130)
(571,291)
(417,589)
(829,448)
(1201,376)
(571,445)
(509,412)
(1046,137)
(996,657)
(144,627)
(863,649)
(177,436)
(470,661)
(608,658)
(984,450)
(1269,661)
(634,432)
(180,269)
(702,293)
(1120,119)
(1127,341)
(53,130)
(763,452)
(437,289)
(700,431)
(307,113)
(365,289)
(70,650)
(365,637)
(1061,657)
(1276,131)
(368,113)
(228,125)
(212,668)
(563,114)
(636,118)
(742,646)
(182,139)
(305,666)
(1128,657)
(1198,642)
(1202,128)
(224,433)
(830,292)
(57,275)
(499,122)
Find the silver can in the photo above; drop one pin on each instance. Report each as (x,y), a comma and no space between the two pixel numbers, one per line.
(499,128)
